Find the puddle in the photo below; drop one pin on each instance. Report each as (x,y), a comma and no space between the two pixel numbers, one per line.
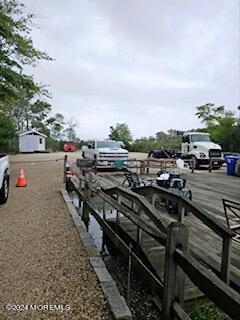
(94,228)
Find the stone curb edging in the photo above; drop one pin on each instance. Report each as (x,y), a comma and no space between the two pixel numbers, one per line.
(116,302)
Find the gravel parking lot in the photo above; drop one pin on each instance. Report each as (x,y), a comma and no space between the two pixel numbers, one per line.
(41,259)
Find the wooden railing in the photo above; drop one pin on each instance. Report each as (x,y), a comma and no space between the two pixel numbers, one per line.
(179,261)
(213,287)
(185,204)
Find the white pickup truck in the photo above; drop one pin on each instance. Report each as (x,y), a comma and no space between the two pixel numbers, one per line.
(106,151)
(199,147)
(4,178)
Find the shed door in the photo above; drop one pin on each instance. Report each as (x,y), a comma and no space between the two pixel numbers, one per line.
(41,143)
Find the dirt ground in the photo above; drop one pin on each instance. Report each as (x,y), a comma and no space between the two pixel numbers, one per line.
(60,155)
(41,260)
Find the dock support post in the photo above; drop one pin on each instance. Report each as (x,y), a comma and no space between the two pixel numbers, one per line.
(174,277)
(226,259)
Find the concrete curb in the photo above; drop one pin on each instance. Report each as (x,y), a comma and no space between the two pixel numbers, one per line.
(116,302)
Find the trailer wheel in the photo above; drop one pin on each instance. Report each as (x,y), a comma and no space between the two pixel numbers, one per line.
(4,191)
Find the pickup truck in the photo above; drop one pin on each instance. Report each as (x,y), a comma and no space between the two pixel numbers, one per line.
(199,147)
(4,178)
(106,151)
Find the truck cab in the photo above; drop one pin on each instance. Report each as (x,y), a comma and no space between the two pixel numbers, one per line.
(200,147)
(106,151)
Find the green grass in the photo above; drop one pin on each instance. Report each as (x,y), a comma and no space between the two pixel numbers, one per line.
(208,312)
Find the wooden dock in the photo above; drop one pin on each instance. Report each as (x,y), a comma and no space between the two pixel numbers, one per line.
(208,190)
(141,216)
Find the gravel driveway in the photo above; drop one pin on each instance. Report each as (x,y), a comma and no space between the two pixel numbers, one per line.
(41,259)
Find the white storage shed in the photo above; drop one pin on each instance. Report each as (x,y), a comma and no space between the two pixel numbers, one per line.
(32,141)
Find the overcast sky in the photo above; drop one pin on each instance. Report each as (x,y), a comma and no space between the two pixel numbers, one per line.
(144,62)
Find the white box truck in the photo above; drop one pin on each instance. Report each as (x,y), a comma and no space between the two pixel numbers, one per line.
(4,178)
(199,147)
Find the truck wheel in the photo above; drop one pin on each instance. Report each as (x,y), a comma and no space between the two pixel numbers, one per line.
(4,191)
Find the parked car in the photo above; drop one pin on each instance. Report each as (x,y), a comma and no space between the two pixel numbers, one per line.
(4,178)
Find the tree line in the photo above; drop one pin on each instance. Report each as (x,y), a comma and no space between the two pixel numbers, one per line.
(222,124)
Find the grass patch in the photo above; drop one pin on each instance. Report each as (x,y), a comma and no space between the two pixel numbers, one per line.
(208,312)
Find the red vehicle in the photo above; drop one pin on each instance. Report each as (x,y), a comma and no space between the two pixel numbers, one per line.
(69,147)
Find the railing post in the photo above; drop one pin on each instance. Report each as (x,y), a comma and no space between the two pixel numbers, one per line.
(118,215)
(104,210)
(154,196)
(210,165)
(130,249)
(79,211)
(226,259)
(142,167)
(65,169)
(85,212)
(139,230)
(181,212)
(95,164)
(174,277)
(147,167)
(193,164)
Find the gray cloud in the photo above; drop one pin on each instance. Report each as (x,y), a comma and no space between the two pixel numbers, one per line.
(147,63)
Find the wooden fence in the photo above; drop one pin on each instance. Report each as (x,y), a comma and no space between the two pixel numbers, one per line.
(145,166)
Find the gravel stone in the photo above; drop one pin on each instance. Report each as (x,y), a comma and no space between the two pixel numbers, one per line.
(42,260)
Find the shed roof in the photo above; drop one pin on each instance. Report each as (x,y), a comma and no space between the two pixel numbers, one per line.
(32,131)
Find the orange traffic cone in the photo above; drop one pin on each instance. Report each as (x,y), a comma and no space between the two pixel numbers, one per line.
(21,181)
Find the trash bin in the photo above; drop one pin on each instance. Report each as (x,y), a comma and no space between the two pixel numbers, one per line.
(231,164)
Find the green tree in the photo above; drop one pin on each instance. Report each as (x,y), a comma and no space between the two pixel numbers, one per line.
(161,140)
(223,125)
(70,131)
(56,126)
(209,113)
(121,132)
(29,113)
(16,51)
(7,129)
